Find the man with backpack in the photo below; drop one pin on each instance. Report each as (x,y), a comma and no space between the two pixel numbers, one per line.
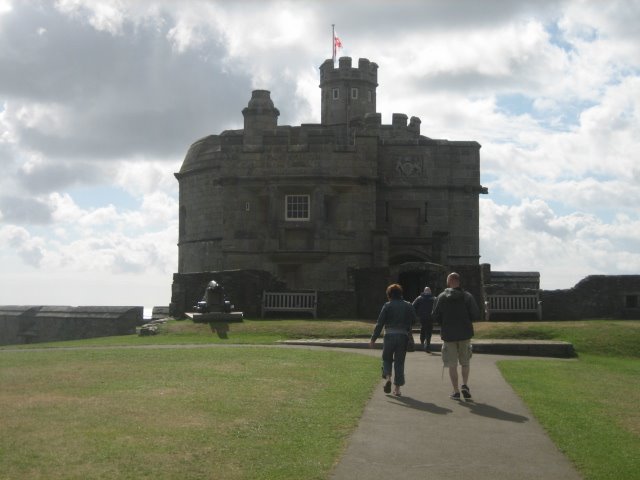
(456,310)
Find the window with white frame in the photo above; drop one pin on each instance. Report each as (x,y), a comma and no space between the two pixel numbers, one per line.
(296,207)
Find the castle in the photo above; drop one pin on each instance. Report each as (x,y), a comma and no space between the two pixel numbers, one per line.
(315,204)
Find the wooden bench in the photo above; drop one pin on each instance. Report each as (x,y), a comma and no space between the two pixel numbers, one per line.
(514,304)
(289,302)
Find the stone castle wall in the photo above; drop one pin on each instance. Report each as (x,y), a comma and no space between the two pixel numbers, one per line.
(363,299)
(36,324)
(378,194)
(411,210)
(595,296)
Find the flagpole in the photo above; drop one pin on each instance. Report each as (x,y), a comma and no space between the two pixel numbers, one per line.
(333,42)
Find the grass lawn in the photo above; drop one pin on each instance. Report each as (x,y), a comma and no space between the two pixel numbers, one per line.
(186,413)
(589,407)
(248,332)
(232,413)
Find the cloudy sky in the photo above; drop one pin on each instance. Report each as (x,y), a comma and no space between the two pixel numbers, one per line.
(100,100)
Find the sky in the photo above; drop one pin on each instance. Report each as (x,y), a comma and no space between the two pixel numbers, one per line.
(100,100)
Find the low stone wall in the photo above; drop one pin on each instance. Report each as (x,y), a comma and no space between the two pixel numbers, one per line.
(21,324)
(244,289)
(595,296)
(517,280)
(339,304)
(158,313)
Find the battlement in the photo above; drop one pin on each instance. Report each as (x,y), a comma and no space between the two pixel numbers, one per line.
(365,71)
(347,92)
(372,124)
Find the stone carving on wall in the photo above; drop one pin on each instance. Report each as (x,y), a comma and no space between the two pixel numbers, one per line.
(409,167)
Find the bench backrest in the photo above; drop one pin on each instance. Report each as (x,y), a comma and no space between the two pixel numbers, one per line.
(289,302)
(514,304)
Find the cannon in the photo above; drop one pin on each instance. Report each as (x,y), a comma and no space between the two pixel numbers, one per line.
(214,307)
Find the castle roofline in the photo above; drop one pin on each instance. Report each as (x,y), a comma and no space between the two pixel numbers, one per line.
(366,71)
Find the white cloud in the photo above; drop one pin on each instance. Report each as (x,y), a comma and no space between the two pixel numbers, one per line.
(103,238)
(193,28)
(564,248)
(28,248)
(105,16)
(5,6)
(592,167)
(41,116)
(143,177)
(109,95)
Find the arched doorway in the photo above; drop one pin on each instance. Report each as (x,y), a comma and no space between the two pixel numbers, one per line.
(415,275)
(411,280)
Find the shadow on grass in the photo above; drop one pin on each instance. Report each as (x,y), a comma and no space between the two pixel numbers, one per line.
(220,329)
(493,412)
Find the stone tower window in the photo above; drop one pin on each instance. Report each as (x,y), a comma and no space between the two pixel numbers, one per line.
(354,93)
(336,93)
(370,96)
(297,207)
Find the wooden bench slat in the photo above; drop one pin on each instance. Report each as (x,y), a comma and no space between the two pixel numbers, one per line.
(289,302)
(515,304)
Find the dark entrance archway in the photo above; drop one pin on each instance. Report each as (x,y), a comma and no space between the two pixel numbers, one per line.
(411,279)
(414,276)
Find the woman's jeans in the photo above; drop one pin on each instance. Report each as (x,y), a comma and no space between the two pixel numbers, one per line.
(394,351)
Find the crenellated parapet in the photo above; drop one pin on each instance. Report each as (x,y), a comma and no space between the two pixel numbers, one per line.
(347,92)
(264,135)
(366,71)
(399,129)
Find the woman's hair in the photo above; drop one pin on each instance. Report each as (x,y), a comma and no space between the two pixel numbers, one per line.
(394,291)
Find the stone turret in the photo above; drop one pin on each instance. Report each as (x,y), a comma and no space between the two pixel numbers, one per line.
(259,115)
(347,92)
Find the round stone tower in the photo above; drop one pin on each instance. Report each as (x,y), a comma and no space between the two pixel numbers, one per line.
(347,92)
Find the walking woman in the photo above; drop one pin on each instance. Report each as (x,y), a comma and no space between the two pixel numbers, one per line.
(396,317)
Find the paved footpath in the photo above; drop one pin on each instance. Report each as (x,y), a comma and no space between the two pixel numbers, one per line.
(425,434)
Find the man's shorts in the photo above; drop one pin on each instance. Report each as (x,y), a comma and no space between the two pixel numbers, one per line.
(454,352)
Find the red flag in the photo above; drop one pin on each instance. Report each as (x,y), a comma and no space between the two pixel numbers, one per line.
(336,44)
